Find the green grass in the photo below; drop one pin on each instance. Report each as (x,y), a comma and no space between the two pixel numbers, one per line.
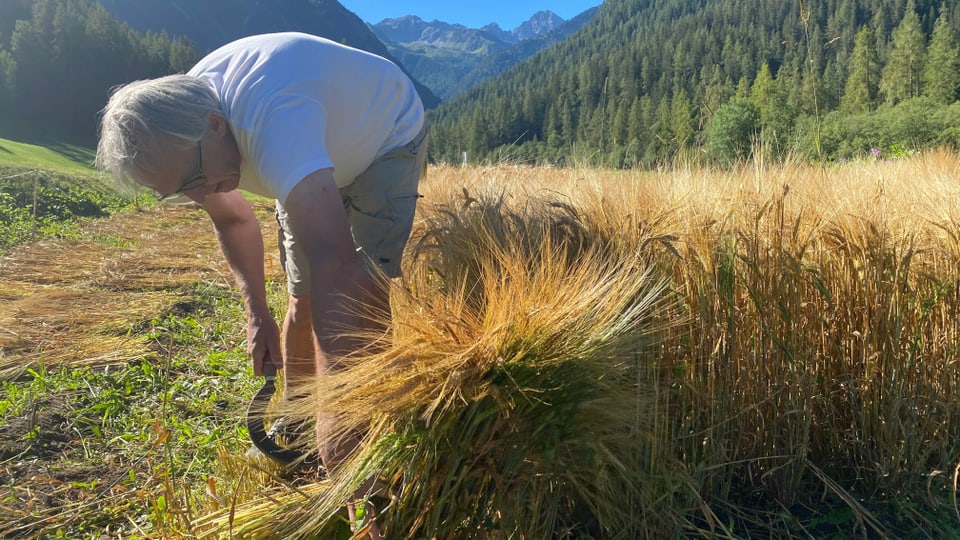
(62,157)
(47,191)
(132,445)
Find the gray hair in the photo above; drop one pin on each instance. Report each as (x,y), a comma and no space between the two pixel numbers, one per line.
(144,118)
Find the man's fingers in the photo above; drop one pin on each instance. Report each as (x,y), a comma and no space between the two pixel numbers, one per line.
(277,357)
(264,365)
(269,367)
(258,365)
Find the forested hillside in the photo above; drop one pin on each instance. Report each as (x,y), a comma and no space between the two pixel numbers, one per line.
(499,61)
(643,83)
(647,81)
(59,58)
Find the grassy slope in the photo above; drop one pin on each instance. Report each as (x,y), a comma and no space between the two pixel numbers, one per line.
(45,191)
(64,158)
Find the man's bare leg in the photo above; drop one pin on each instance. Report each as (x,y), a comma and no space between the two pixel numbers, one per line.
(332,456)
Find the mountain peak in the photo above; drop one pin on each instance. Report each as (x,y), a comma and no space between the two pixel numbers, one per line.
(542,22)
(411,29)
(545,14)
(451,58)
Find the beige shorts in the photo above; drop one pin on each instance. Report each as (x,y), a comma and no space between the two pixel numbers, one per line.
(380,205)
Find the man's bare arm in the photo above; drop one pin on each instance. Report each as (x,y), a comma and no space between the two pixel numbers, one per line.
(238,232)
(339,284)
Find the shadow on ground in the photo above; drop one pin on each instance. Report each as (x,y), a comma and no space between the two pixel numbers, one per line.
(73,153)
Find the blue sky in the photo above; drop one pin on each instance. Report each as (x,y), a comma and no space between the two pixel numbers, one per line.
(471,13)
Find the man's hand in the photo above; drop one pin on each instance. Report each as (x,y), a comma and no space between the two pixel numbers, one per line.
(239,235)
(263,344)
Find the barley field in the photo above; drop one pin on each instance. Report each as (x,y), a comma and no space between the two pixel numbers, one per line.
(765,351)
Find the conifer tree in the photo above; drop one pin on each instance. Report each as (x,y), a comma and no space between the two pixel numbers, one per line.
(902,77)
(618,130)
(8,74)
(775,114)
(682,118)
(8,79)
(860,91)
(743,87)
(182,55)
(635,126)
(719,89)
(941,77)
(762,88)
(662,143)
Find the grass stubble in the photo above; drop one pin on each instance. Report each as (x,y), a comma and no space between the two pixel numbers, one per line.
(769,350)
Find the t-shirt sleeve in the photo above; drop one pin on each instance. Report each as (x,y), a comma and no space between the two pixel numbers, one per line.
(289,142)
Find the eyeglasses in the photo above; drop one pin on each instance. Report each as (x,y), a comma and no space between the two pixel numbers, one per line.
(193,182)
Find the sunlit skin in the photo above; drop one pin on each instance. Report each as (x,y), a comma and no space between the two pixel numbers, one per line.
(220,159)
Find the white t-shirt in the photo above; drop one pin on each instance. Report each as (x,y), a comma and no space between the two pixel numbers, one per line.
(297,103)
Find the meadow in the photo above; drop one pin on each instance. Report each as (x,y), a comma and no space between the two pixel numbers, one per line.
(764,351)
(45,191)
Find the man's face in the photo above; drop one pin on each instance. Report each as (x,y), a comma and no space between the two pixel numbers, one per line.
(194,173)
(195,181)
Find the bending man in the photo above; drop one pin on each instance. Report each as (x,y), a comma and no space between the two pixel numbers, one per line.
(335,135)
